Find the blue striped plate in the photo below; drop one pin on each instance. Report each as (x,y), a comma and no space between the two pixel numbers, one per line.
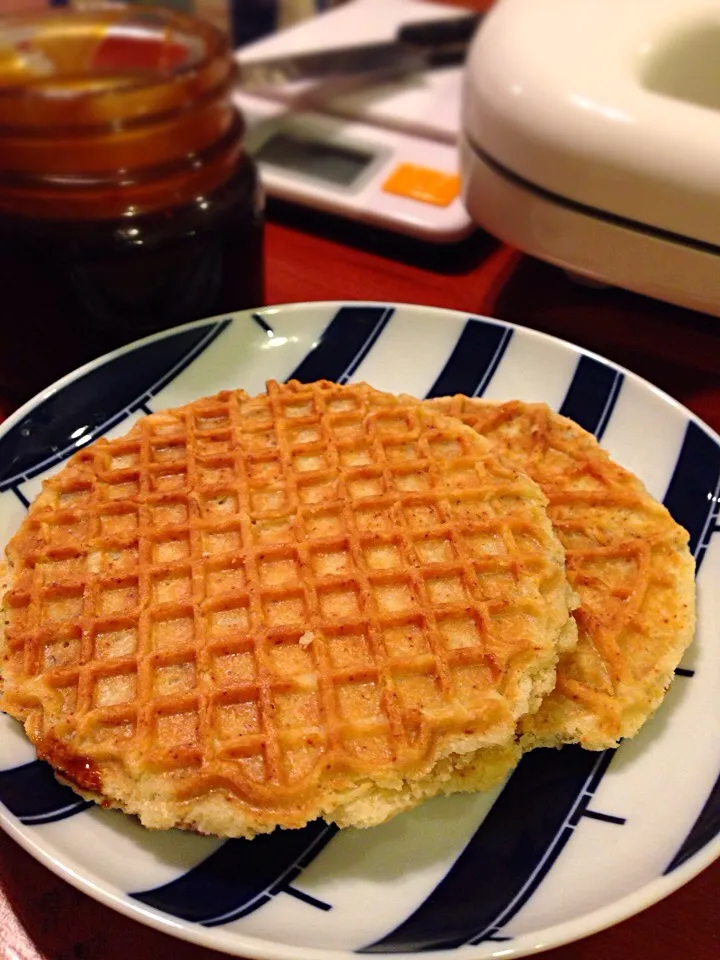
(574,842)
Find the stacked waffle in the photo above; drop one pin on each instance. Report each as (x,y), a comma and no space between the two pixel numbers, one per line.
(327,601)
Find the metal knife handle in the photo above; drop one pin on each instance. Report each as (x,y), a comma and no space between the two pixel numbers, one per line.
(439,33)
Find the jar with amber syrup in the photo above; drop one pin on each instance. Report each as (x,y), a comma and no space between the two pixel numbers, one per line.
(127,201)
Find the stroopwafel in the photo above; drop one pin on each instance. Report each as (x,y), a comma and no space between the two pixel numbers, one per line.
(250,612)
(627,559)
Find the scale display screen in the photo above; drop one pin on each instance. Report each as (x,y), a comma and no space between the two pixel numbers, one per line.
(327,161)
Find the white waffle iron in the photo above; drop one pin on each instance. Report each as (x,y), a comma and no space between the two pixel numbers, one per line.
(591,139)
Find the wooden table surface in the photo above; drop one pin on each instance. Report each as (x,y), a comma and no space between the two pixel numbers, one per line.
(313,258)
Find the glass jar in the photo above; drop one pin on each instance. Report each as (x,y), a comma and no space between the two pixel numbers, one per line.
(127,201)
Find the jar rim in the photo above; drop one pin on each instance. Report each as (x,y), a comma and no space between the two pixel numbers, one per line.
(80,67)
(113,108)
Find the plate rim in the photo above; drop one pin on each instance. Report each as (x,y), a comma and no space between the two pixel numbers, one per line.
(239,944)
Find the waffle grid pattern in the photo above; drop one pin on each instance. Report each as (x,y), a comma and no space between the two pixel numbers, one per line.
(248,591)
(626,558)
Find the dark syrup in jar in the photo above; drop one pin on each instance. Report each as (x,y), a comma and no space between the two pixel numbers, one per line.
(128,207)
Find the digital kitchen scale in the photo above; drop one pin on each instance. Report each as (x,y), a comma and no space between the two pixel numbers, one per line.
(381,153)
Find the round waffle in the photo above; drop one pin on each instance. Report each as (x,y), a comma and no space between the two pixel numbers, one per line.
(627,559)
(250,612)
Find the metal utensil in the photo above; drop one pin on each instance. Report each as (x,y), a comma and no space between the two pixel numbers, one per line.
(417,46)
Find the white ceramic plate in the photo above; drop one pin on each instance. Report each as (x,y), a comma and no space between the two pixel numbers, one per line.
(574,842)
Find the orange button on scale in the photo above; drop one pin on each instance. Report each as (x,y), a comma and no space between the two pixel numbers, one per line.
(423,184)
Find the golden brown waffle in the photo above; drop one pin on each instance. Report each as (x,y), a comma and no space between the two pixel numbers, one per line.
(251,612)
(627,559)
